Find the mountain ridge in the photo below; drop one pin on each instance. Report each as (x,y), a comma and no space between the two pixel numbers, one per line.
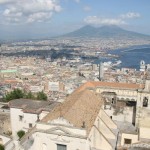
(109,31)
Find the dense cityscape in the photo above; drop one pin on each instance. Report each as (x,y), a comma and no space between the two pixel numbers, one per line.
(72,91)
(60,66)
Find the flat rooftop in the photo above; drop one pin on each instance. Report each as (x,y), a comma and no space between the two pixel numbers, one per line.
(126,127)
(32,106)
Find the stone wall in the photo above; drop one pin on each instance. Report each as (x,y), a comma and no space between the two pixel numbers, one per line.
(5,126)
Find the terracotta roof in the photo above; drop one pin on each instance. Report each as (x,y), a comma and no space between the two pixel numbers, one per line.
(79,107)
(110,85)
(85,85)
(11,81)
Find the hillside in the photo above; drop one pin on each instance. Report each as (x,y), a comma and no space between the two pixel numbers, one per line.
(111,31)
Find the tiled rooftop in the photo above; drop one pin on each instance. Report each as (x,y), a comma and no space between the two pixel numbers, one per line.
(93,84)
(78,108)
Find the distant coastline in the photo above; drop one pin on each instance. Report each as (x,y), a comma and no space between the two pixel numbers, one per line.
(130,48)
(132,56)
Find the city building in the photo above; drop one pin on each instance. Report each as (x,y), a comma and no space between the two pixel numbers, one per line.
(24,113)
(128,105)
(142,65)
(78,123)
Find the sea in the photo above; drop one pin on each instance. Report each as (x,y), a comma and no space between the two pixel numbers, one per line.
(130,57)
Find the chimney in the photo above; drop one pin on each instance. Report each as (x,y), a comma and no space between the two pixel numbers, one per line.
(83,126)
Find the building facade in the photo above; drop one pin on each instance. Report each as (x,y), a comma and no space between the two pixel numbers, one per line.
(96,116)
(78,123)
(24,114)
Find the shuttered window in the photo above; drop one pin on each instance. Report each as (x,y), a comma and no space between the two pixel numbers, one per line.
(61,147)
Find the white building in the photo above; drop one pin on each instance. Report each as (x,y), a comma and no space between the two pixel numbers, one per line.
(136,113)
(36,88)
(7,142)
(142,66)
(24,114)
(81,122)
(78,124)
(54,86)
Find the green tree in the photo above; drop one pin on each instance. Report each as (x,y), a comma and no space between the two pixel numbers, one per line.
(18,93)
(41,96)
(2,147)
(15,94)
(20,134)
(29,95)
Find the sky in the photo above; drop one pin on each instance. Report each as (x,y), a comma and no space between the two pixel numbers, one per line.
(26,19)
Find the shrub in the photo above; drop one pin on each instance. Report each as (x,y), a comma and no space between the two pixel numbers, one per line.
(41,96)
(20,134)
(2,147)
(15,94)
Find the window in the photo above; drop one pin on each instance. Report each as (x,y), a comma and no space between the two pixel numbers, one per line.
(112,100)
(20,118)
(127,141)
(30,125)
(145,102)
(61,147)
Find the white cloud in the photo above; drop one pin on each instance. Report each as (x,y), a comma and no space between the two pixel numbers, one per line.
(78,1)
(94,20)
(27,11)
(39,17)
(111,21)
(6,1)
(130,15)
(87,8)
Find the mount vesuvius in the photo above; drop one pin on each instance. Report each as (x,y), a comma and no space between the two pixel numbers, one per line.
(110,31)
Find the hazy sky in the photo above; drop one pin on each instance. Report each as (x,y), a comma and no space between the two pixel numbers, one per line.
(46,18)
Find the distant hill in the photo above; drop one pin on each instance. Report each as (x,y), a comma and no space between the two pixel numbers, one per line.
(111,31)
